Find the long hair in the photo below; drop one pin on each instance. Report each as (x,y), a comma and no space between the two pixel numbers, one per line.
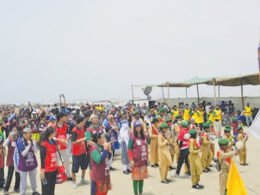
(46,134)
(97,136)
(141,133)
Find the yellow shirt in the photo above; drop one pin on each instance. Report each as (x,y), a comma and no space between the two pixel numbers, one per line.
(200,117)
(211,117)
(175,113)
(218,115)
(248,111)
(186,114)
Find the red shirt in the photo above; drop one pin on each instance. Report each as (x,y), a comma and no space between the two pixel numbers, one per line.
(61,133)
(185,142)
(78,148)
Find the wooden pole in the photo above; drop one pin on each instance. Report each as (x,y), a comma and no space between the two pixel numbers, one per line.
(242,94)
(198,94)
(132,88)
(163,94)
(259,62)
(186,91)
(219,91)
(168,92)
(214,88)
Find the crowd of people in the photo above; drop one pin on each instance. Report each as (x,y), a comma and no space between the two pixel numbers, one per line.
(160,137)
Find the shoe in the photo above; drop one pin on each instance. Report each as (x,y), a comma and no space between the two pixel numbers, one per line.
(172,168)
(202,186)
(176,175)
(208,169)
(36,193)
(129,171)
(112,169)
(83,182)
(17,190)
(205,171)
(153,166)
(164,182)
(126,172)
(168,180)
(6,192)
(157,165)
(188,174)
(74,185)
(210,165)
(69,179)
(197,186)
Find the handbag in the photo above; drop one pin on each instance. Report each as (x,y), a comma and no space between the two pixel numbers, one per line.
(61,172)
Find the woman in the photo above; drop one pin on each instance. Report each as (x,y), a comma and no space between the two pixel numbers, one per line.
(165,160)
(138,155)
(124,139)
(27,162)
(99,162)
(48,154)
(112,129)
(10,144)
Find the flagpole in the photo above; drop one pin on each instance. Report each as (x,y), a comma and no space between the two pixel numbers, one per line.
(259,60)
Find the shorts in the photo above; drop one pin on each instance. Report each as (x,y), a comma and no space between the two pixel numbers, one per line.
(79,161)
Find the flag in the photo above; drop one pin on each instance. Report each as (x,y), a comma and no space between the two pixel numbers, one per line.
(235,184)
(254,129)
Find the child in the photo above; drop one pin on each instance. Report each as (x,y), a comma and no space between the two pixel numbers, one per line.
(99,160)
(165,159)
(242,152)
(206,152)
(195,161)
(138,155)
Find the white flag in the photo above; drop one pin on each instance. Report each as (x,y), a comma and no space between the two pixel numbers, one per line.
(254,129)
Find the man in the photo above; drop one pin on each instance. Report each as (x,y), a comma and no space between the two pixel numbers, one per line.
(186,113)
(175,111)
(218,120)
(224,156)
(79,157)
(248,114)
(27,163)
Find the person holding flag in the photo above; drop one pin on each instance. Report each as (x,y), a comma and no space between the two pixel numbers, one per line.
(224,156)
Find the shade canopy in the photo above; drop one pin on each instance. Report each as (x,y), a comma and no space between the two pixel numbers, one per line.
(250,79)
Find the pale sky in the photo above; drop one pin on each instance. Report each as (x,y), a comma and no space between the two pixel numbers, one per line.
(91,49)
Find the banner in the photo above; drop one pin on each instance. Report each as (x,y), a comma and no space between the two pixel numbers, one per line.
(254,129)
